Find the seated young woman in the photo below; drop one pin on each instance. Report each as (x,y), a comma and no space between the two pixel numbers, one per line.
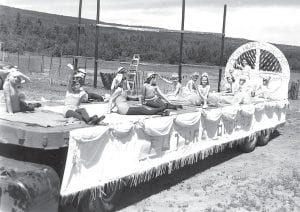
(73,99)
(121,73)
(189,94)
(152,95)
(120,99)
(264,91)
(231,94)
(14,99)
(80,75)
(204,89)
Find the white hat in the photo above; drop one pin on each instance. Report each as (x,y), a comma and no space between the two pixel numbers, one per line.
(204,74)
(150,74)
(82,70)
(79,75)
(121,69)
(174,76)
(16,73)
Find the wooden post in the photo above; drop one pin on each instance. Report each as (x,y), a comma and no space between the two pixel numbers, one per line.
(18,58)
(78,35)
(85,62)
(222,48)
(42,67)
(96,44)
(28,65)
(59,66)
(181,40)
(50,70)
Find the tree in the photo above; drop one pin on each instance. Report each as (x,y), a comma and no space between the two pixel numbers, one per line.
(18,28)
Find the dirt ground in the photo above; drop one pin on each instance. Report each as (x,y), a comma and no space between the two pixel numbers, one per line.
(267,179)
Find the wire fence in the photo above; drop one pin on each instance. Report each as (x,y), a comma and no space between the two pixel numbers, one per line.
(56,70)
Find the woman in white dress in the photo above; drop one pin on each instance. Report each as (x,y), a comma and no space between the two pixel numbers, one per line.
(203,89)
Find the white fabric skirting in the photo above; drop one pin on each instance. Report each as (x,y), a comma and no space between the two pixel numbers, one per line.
(134,152)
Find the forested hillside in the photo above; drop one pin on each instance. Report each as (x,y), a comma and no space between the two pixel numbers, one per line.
(22,30)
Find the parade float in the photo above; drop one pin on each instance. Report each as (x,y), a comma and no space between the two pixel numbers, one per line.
(50,162)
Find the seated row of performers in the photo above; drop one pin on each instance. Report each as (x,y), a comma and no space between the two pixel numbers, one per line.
(153,100)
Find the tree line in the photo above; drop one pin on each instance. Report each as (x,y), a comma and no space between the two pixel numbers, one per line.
(32,34)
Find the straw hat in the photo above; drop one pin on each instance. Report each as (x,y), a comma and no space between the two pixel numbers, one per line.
(81,70)
(204,74)
(18,74)
(79,75)
(70,66)
(121,69)
(174,76)
(150,74)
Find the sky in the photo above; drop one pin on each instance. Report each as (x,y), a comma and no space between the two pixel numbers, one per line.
(276,21)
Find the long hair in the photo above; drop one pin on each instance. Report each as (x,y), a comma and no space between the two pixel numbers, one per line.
(202,78)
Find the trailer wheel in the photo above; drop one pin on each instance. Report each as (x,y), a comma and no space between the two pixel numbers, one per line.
(110,197)
(249,143)
(264,137)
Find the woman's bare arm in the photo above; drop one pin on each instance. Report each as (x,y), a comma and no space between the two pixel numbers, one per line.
(7,96)
(71,74)
(160,93)
(163,79)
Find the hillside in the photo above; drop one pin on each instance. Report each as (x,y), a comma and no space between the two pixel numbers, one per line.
(24,30)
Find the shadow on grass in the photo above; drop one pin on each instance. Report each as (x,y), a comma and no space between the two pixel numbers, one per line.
(144,190)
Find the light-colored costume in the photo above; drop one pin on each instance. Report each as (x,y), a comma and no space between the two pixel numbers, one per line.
(189,94)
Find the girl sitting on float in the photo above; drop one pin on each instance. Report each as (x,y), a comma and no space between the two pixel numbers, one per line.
(14,99)
(152,95)
(231,94)
(229,87)
(120,99)
(203,89)
(189,93)
(265,91)
(73,99)
(118,78)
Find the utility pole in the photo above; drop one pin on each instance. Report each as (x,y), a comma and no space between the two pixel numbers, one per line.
(222,48)
(181,40)
(78,36)
(96,44)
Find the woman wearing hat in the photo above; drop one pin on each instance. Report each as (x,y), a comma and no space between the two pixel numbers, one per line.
(73,99)
(121,73)
(12,96)
(152,95)
(120,99)
(79,76)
